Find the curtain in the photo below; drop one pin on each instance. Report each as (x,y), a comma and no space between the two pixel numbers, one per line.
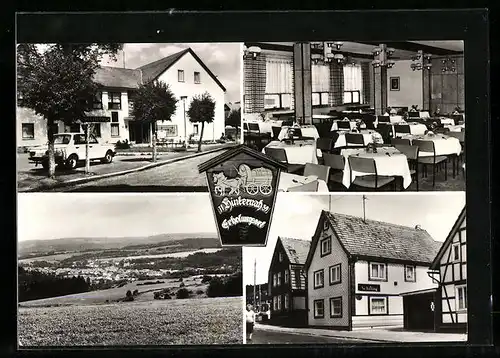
(279,75)
(320,78)
(353,78)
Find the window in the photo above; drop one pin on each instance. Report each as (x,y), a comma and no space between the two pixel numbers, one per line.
(298,278)
(319,277)
(278,275)
(353,83)
(275,280)
(287,276)
(335,274)
(319,309)
(28,130)
(180,75)
(62,139)
(378,305)
(96,130)
(195,129)
(115,100)
(378,272)
(461,298)
(456,251)
(280,256)
(320,98)
(286,303)
(80,139)
(409,273)
(197,77)
(325,225)
(326,246)
(169,129)
(115,126)
(278,299)
(97,104)
(73,128)
(279,83)
(275,303)
(336,307)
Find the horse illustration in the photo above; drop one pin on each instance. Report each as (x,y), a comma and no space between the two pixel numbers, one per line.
(222,183)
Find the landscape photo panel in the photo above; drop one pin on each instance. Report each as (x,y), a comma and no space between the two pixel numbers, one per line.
(108,270)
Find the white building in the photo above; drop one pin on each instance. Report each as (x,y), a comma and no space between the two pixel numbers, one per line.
(184,72)
(357,269)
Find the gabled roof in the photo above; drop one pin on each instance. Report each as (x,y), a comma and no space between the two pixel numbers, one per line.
(447,242)
(241,148)
(153,70)
(117,77)
(378,240)
(295,249)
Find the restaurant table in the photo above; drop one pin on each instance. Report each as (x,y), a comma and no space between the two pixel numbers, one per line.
(443,144)
(389,162)
(445,120)
(455,128)
(392,119)
(369,136)
(288,180)
(415,128)
(306,130)
(335,126)
(424,114)
(300,152)
(266,126)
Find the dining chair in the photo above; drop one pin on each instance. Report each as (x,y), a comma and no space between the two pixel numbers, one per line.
(456,118)
(312,186)
(325,146)
(399,141)
(371,179)
(321,171)
(411,154)
(344,125)
(457,158)
(276,131)
(402,129)
(428,146)
(385,130)
(354,140)
(279,154)
(384,119)
(254,127)
(336,162)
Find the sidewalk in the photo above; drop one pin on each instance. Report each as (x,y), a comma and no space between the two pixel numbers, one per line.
(31,178)
(389,334)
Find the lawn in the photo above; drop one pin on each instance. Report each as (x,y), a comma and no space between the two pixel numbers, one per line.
(161,322)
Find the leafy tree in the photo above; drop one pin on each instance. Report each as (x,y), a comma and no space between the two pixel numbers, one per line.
(201,110)
(182,293)
(234,118)
(153,102)
(57,83)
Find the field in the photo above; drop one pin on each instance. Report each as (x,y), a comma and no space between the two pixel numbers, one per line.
(113,294)
(159,322)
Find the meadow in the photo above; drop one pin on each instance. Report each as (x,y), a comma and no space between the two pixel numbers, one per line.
(156,322)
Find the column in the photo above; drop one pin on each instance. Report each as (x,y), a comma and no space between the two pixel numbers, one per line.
(302,82)
(336,91)
(380,86)
(426,94)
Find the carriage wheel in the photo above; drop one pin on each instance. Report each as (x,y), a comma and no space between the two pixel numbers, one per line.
(218,191)
(266,189)
(252,189)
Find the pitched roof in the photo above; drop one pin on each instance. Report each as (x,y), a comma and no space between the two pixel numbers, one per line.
(449,238)
(296,249)
(152,70)
(382,240)
(117,77)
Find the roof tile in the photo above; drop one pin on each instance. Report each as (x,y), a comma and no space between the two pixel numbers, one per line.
(117,77)
(296,249)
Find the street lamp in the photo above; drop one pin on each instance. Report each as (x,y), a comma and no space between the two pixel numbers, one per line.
(185,130)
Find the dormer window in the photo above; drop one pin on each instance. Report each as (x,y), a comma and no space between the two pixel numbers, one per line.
(326,246)
(280,257)
(325,225)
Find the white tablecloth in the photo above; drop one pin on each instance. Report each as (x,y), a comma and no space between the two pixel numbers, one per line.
(288,180)
(301,152)
(453,128)
(415,128)
(368,136)
(449,121)
(395,164)
(443,144)
(266,126)
(392,120)
(307,131)
(424,114)
(335,126)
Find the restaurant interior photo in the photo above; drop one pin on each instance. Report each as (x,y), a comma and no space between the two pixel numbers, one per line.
(358,116)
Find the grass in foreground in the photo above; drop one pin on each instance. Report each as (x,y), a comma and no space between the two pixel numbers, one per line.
(162,322)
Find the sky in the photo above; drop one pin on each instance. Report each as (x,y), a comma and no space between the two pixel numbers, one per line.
(223,59)
(43,216)
(434,212)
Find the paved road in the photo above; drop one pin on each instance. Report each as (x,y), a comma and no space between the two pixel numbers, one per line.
(179,176)
(269,337)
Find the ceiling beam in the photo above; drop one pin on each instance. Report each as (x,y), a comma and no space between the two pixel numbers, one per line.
(414,47)
(287,48)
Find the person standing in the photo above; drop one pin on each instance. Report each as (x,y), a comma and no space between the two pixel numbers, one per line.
(250,321)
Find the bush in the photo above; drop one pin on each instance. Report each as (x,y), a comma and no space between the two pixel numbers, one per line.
(206,278)
(129,293)
(122,145)
(182,293)
(128,299)
(182,284)
(227,287)
(156,295)
(135,293)
(200,291)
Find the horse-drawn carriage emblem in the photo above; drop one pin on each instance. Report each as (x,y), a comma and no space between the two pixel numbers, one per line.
(252,181)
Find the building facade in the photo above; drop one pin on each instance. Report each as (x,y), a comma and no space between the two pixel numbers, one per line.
(287,281)
(357,269)
(450,269)
(187,77)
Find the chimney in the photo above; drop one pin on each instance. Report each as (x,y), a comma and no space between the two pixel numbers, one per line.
(418,227)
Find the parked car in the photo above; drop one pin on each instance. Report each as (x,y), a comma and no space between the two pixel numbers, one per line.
(69,149)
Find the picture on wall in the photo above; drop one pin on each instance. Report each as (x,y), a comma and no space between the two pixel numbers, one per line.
(394,83)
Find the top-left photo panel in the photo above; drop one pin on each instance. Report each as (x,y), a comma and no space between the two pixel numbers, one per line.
(127,117)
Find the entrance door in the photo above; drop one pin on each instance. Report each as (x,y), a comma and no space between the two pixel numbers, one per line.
(418,311)
(139,132)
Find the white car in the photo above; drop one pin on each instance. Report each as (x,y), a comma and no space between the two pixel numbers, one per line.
(69,149)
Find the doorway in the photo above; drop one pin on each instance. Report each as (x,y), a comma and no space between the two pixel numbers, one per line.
(139,132)
(419,311)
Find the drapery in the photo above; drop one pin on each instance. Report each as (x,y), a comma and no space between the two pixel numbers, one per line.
(353,79)
(320,78)
(279,75)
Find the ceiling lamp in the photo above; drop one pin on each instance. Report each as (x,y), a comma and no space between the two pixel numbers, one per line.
(251,52)
(382,55)
(421,61)
(448,65)
(330,52)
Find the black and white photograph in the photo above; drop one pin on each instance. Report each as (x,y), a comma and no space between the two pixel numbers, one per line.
(358,116)
(125,270)
(126,116)
(359,268)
